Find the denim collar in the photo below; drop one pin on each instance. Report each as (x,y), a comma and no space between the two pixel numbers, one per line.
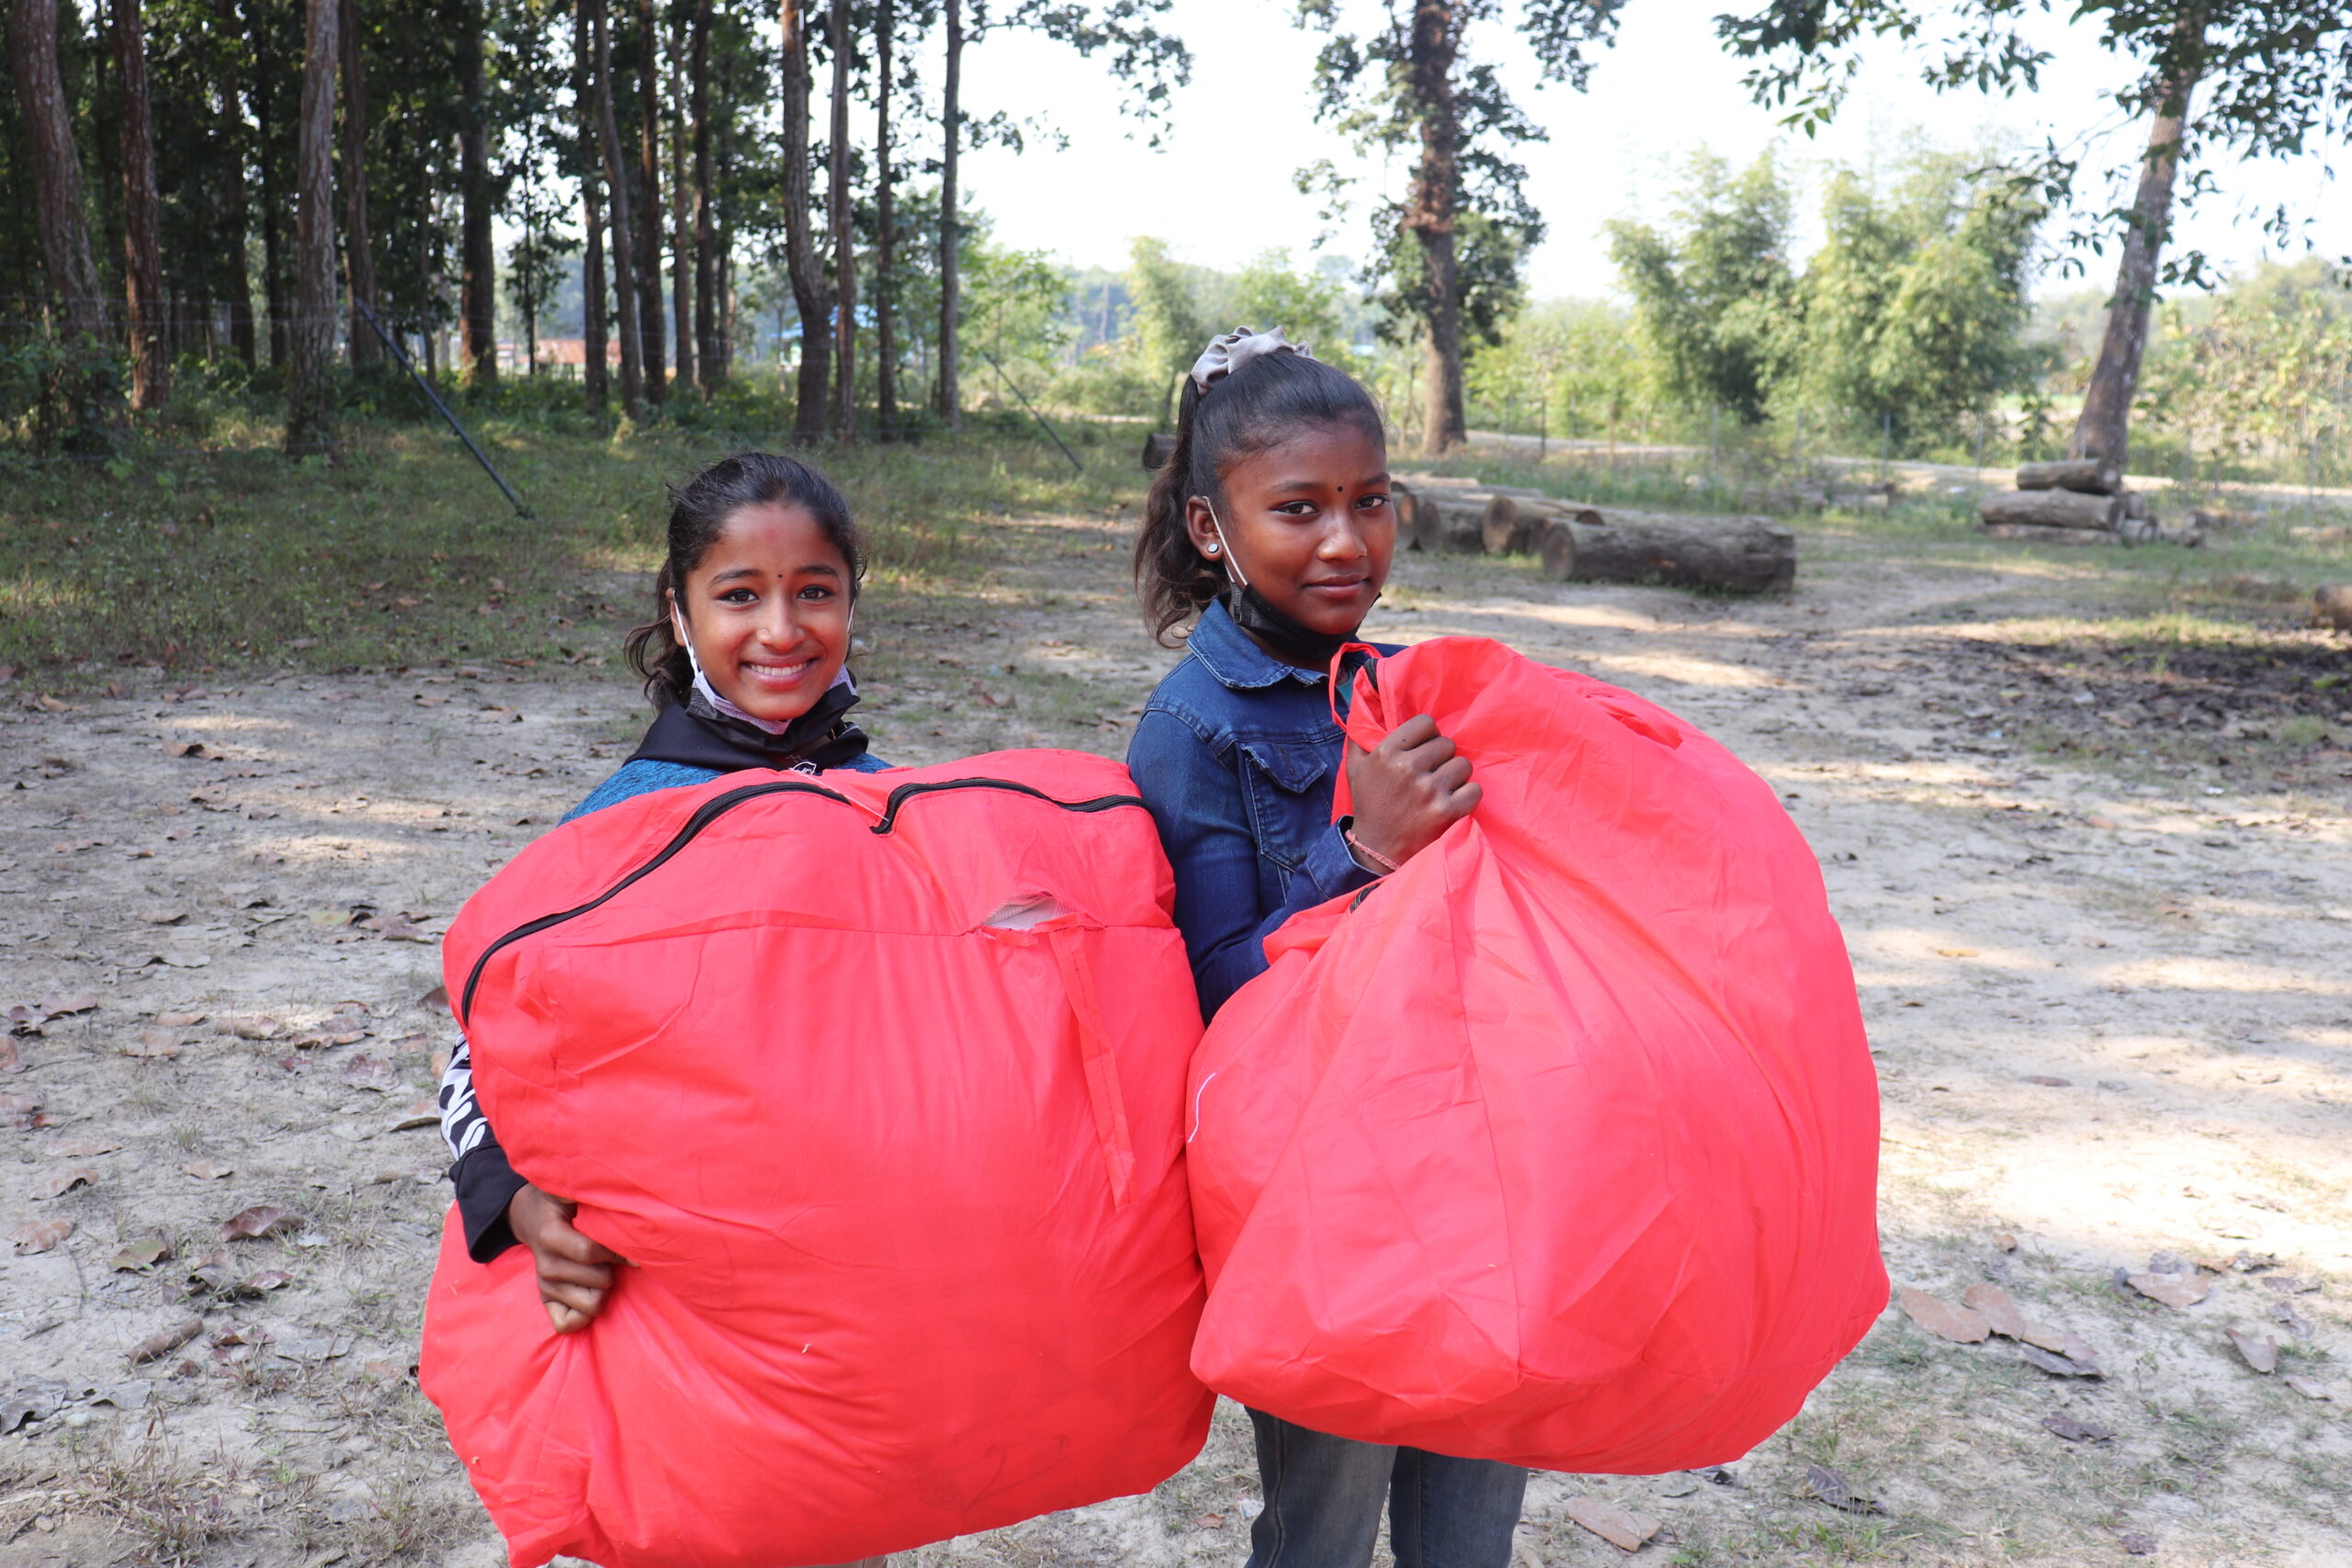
(1226,651)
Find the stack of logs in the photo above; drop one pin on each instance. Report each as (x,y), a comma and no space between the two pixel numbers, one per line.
(1581,543)
(2080,501)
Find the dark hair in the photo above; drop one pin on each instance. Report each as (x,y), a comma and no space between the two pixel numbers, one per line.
(699,510)
(1256,407)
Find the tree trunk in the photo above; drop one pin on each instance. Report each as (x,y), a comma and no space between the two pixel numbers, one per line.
(951,242)
(799,243)
(885,282)
(57,170)
(2104,431)
(649,307)
(593,342)
(358,249)
(708,361)
(310,397)
(609,132)
(2052,509)
(843,211)
(2092,475)
(273,206)
(477,277)
(682,215)
(142,269)
(1430,211)
(1745,554)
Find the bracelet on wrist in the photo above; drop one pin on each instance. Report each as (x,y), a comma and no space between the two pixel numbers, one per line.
(1372,860)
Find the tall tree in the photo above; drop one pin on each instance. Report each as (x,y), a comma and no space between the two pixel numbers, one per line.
(310,392)
(624,293)
(949,393)
(594,343)
(236,219)
(143,268)
(1716,296)
(1405,86)
(58,215)
(708,358)
(843,213)
(477,275)
(886,275)
(358,250)
(681,218)
(2274,73)
(649,307)
(799,243)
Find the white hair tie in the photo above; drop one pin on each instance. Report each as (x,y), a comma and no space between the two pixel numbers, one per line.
(1229,352)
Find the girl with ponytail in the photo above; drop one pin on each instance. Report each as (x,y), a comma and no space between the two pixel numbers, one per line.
(743,659)
(1270,532)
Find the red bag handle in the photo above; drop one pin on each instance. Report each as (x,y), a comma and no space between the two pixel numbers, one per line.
(1101,1068)
(1356,708)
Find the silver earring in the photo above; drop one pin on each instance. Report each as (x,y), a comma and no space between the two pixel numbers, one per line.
(1210,550)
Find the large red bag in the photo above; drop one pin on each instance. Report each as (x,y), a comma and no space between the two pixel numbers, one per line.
(877,1080)
(1559,1145)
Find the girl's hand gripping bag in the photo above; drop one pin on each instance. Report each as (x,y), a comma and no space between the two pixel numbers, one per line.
(877,1081)
(1558,1145)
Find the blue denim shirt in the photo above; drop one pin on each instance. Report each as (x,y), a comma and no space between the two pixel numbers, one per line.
(1237,756)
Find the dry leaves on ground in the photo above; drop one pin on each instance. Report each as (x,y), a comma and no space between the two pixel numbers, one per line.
(1834,1489)
(58,1183)
(2172,1290)
(1621,1528)
(1959,1325)
(2258,1350)
(260,1220)
(156,1345)
(39,1235)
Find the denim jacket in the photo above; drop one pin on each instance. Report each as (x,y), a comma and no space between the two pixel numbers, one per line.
(1237,756)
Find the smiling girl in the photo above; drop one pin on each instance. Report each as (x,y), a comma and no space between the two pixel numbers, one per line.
(1270,529)
(744,662)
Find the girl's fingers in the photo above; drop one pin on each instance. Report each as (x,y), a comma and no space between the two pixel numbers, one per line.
(592,1276)
(568,1320)
(1465,801)
(1413,732)
(1452,776)
(578,1298)
(581,1248)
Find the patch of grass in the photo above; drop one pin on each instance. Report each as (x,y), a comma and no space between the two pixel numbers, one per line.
(402,554)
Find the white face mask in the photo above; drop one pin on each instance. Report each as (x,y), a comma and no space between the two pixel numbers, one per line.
(710,693)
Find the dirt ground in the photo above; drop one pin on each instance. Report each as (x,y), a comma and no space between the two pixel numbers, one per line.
(2102,942)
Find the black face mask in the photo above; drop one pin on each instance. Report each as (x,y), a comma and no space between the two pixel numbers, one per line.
(1280,635)
(700,736)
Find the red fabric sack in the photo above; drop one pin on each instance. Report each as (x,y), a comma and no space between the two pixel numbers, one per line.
(877,1080)
(1560,1144)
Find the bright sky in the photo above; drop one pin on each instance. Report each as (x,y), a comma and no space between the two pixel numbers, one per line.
(1221,190)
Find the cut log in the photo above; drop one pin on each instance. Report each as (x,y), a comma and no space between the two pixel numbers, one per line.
(2053,509)
(1453,521)
(1741,555)
(1157,450)
(2332,607)
(1514,523)
(2136,504)
(2052,536)
(2090,475)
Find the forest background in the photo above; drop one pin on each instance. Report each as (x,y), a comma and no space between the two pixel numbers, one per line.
(762,203)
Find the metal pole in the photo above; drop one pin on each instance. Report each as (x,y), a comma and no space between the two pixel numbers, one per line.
(1032,413)
(439,407)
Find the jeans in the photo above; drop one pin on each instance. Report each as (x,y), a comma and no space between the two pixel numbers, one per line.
(1323,1497)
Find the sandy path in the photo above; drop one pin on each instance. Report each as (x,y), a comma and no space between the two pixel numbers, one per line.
(2176,957)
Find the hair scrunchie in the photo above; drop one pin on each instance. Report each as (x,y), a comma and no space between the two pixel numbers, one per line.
(1230,351)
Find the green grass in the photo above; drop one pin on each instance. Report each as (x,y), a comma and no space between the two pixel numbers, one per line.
(402,553)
